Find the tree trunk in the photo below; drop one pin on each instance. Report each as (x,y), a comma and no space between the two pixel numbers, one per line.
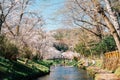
(112,30)
(1,21)
(0,25)
(113,17)
(17,30)
(108,23)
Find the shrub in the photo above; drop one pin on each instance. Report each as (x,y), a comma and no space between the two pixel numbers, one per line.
(81,48)
(61,46)
(8,49)
(11,51)
(2,44)
(27,53)
(106,45)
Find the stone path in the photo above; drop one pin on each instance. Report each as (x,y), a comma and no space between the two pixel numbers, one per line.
(101,74)
(106,76)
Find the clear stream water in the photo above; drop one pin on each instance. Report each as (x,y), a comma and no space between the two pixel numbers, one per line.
(66,73)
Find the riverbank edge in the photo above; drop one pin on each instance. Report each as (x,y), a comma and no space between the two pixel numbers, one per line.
(97,72)
(7,69)
(101,74)
(36,75)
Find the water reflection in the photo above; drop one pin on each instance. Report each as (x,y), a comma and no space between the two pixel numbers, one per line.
(66,73)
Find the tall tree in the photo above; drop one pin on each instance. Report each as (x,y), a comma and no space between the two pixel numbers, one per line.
(113,16)
(85,17)
(90,14)
(19,24)
(100,10)
(5,10)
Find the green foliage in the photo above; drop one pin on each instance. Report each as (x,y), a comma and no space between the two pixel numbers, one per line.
(81,48)
(71,63)
(61,46)
(17,70)
(117,71)
(8,49)
(106,45)
(2,44)
(27,53)
(46,63)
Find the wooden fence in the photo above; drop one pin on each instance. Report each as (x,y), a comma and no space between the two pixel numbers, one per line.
(111,60)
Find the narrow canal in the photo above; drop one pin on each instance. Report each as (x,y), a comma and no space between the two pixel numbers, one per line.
(66,73)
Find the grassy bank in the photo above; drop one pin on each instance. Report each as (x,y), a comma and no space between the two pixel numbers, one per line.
(97,71)
(17,70)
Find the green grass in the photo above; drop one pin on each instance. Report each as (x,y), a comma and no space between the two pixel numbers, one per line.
(71,63)
(62,62)
(17,70)
(117,71)
(98,63)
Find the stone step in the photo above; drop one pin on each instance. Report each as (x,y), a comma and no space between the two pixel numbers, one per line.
(106,76)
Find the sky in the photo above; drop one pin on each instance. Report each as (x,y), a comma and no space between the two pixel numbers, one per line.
(49,9)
